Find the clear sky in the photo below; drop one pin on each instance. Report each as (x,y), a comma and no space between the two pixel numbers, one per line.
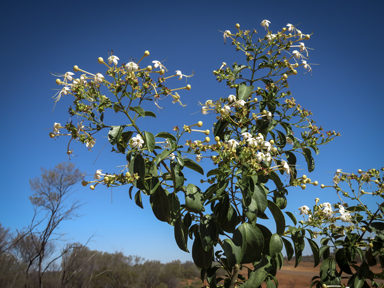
(38,37)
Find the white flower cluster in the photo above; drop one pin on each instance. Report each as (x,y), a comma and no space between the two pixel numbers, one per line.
(328,212)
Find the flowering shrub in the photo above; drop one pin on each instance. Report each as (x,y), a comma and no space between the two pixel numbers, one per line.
(254,140)
(353,229)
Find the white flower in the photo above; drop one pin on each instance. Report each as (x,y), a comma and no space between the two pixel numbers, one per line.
(209,103)
(338,171)
(265,23)
(303,48)
(327,205)
(285,166)
(270,37)
(346,217)
(246,135)
(137,141)
(199,157)
(297,54)
(269,115)
(231,98)
(226,109)
(267,157)
(113,59)
(226,34)
(157,64)
(68,76)
(328,212)
(204,110)
(131,66)
(304,210)
(315,233)
(259,138)
(233,143)
(259,157)
(290,27)
(341,209)
(172,156)
(267,146)
(336,179)
(306,65)
(56,128)
(166,146)
(178,73)
(99,77)
(239,103)
(289,140)
(90,143)
(252,142)
(98,174)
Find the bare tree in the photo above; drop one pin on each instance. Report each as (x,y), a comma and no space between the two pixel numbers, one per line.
(51,202)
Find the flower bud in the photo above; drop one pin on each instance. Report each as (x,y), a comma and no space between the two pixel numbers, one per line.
(303,187)
(58,81)
(284,29)
(200,123)
(76,68)
(217,139)
(162,72)
(92,187)
(100,60)
(317,200)
(206,132)
(52,135)
(294,72)
(285,76)
(315,183)
(207,139)
(146,53)
(69,152)
(237,25)
(322,185)
(304,177)
(255,100)
(272,141)
(149,68)
(274,149)
(84,183)
(188,87)
(214,158)
(359,171)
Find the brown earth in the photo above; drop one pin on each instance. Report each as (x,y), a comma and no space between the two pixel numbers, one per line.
(289,276)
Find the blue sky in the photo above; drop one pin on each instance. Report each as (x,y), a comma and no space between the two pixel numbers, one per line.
(39,37)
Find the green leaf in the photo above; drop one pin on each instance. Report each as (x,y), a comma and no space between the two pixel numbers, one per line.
(193,166)
(138,199)
(139,168)
(221,210)
(232,252)
(288,248)
(244,91)
(273,175)
(114,134)
(130,192)
(215,172)
(160,157)
(175,208)
(138,110)
(203,259)
(208,232)
(279,217)
(230,225)
(275,245)
(150,114)
(308,157)
(177,176)
(166,135)
(251,241)
(219,128)
(181,235)
(258,276)
(315,251)
(160,205)
(150,141)
(342,261)
(193,199)
(293,218)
